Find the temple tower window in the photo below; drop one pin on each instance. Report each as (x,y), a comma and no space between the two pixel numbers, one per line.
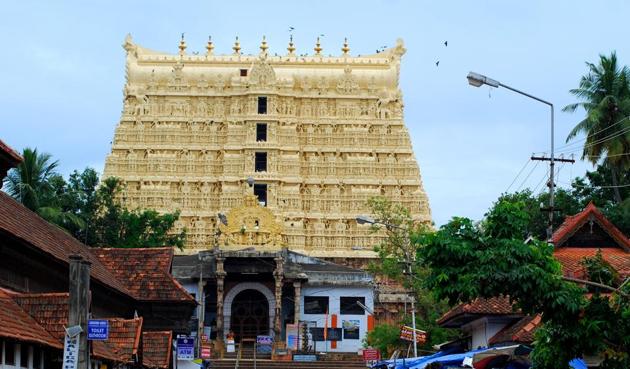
(262,104)
(260,162)
(260,191)
(261,132)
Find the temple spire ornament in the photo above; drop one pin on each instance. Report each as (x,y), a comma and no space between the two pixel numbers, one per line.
(291,47)
(345,48)
(318,48)
(236,47)
(182,45)
(263,46)
(209,46)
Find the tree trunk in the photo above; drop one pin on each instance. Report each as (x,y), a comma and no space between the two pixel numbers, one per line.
(616,192)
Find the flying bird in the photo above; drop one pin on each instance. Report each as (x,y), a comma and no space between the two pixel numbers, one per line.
(445,43)
(291,28)
(437,63)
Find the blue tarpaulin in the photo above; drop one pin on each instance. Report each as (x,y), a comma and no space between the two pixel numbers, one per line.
(446,359)
(578,364)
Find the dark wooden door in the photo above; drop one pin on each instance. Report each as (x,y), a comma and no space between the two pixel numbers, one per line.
(250,315)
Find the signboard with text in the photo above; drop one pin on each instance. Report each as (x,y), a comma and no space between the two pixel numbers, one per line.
(185,348)
(71,352)
(371,354)
(98,330)
(406,333)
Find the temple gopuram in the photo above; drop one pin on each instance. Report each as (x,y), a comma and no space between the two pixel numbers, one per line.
(270,159)
(319,135)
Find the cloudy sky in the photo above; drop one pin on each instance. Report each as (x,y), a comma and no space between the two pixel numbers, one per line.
(63,72)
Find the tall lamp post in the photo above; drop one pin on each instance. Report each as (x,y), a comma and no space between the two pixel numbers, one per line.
(362,219)
(478,80)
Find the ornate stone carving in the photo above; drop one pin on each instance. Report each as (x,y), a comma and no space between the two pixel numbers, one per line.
(187,139)
(251,225)
(262,73)
(347,83)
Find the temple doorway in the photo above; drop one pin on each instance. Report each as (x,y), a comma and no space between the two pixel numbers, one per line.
(249,315)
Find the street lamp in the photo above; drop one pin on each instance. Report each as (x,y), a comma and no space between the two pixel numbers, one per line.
(363,219)
(478,80)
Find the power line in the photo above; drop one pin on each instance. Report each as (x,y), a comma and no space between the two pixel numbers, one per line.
(541,181)
(530,173)
(597,142)
(518,175)
(580,185)
(594,133)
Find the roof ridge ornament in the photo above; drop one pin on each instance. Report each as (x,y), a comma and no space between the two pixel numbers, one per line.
(263,45)
(291,47)
(209,46)
(182,46)
(129,45)
(318,48)
(345,49)
(236,47)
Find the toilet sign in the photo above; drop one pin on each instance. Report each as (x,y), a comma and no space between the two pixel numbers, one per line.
(98,330)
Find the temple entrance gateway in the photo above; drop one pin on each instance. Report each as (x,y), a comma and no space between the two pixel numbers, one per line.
(249,310)
(250,315)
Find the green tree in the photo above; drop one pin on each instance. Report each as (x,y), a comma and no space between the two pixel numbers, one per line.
(29,182)
(594,186)
(397,256)
(385,338)
(115,226)
(604,94)
(36,184)
(466,261)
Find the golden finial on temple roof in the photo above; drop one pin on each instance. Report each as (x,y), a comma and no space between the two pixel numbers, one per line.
(182,45)
(237,46)
(209,46)
(263,45)
(291,47)
(345,47)
(318,48)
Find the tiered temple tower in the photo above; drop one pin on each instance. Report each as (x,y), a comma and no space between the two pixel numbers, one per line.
(319,135)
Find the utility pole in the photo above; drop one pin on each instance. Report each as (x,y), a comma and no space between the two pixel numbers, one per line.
(79,283)
(551,209)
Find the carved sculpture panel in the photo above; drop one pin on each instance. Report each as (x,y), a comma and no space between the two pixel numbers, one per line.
(188,137)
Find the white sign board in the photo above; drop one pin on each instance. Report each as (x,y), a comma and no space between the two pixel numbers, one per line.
(71,352)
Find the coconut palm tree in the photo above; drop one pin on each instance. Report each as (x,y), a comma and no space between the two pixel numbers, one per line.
(605,96)
(31,183)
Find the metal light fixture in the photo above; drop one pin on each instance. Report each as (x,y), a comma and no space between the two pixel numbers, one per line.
(364,219)
(477,80)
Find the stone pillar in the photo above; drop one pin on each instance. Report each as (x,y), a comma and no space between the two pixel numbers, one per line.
(220,283)
(278,275)
(297,287)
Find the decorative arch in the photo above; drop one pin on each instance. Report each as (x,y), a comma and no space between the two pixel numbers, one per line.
(229,298)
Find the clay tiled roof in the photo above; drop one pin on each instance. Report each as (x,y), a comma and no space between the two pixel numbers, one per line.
(156,349)
(573,223)
(8,159)
(571,258)
(476,308)
(10,155)
(17,324)
(50,310)
(520,332)
(124,337)
(145,272)
(18,222)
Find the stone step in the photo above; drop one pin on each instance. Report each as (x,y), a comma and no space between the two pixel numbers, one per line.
(268,364)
